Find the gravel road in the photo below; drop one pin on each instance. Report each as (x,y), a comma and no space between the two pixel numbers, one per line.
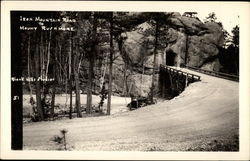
(206,111)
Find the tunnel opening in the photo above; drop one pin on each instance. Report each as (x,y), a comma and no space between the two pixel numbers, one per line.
(170,58)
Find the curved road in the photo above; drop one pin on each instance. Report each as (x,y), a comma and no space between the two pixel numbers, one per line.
(206,111)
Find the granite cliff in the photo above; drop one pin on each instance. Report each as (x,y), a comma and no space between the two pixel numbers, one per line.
(186,40)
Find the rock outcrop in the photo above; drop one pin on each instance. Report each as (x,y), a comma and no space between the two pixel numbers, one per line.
(186,36)
(200,47)
(188,41)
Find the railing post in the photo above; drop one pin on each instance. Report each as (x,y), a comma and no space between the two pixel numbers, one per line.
(186,81)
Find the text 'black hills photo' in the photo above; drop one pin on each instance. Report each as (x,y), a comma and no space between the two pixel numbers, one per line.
(124,81)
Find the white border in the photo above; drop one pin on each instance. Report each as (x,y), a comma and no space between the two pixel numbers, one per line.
(244,11)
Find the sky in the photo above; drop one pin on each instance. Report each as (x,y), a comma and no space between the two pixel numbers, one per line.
(229,14)
(229,20)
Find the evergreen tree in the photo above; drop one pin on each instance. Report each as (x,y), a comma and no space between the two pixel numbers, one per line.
(235,38)
(211,17)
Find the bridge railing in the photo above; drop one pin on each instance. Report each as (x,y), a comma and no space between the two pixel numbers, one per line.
(214,73)
(192,76)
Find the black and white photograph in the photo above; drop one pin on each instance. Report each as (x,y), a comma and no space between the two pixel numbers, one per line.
(125,80)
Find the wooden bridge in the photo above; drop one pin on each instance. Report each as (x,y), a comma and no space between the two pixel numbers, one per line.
(173,81)
(179,72)
(216,74)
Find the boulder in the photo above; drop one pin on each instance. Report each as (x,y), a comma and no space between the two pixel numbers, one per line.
(201,39)
(186,38)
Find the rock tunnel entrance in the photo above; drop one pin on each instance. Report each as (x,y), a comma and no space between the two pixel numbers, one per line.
(170,58)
